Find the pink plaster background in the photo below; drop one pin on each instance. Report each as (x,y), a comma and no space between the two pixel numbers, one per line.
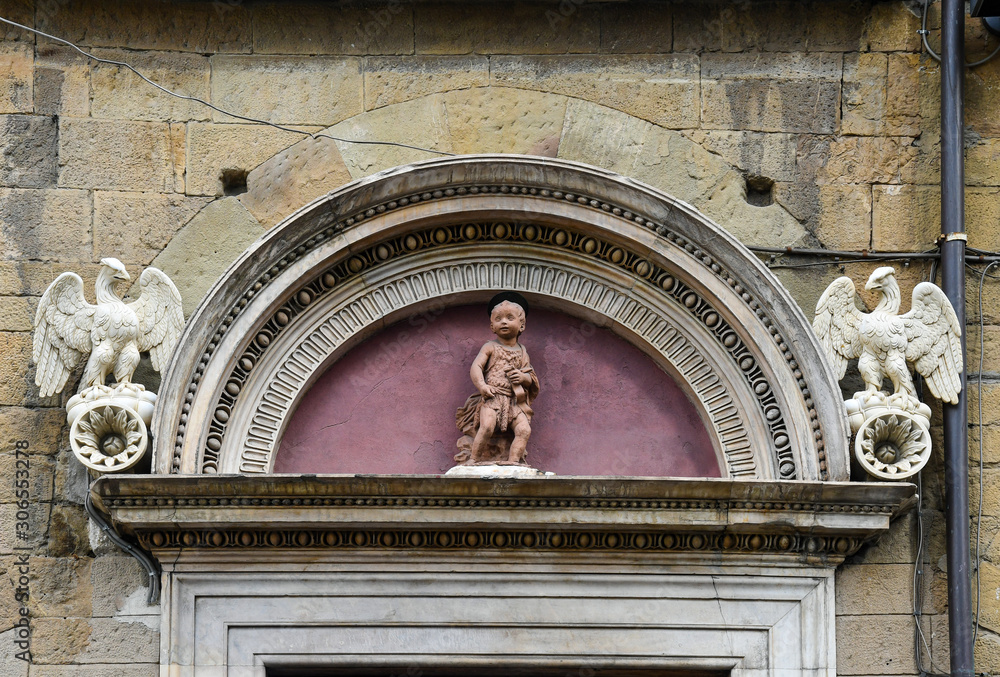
(389,405)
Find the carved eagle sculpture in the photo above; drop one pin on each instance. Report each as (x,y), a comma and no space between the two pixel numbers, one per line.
(885,343)
(113,333)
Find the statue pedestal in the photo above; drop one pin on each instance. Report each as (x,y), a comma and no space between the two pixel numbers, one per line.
(892,438)
(496,471)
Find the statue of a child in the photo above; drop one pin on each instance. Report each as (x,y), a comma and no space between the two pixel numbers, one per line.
(507,384)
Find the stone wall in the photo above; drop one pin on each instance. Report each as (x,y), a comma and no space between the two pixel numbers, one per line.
(790,123)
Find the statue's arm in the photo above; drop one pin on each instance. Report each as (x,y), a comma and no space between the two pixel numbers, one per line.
(476,372)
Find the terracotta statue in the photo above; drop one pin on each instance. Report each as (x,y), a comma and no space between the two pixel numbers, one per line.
(497,420)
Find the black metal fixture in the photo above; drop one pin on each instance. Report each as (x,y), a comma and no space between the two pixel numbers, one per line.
(956,417)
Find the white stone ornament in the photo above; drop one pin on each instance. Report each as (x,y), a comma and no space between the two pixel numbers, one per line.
(892,438)
(108,424)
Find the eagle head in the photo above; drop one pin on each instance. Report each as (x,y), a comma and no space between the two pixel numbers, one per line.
(117,269)
(880,277)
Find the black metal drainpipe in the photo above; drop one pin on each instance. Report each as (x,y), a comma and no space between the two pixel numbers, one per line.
(956,418)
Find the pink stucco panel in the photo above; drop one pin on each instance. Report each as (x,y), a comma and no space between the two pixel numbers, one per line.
(604,408)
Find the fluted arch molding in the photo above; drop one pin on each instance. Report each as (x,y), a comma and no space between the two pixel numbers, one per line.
(447,232)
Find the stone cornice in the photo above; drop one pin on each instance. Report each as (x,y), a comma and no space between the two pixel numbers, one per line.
(796,520)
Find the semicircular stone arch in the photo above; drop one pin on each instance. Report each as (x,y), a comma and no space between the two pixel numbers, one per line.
(574,238)
(282,178)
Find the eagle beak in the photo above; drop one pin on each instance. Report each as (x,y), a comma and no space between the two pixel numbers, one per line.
(123,276)
(873,284)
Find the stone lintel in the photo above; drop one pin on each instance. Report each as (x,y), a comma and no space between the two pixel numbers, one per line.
(815,522)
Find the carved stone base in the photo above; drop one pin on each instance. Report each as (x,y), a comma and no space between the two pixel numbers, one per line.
(892,434)
(490,471)
(108,426)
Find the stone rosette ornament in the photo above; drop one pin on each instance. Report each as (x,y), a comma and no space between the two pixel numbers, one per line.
(891,431)
(108,423)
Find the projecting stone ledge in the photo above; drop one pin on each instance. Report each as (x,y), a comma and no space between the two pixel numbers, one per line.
(748,520)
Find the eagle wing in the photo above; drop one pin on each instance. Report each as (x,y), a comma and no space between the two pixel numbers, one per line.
(161,316)
(934,341)
(836,324)
(62,332)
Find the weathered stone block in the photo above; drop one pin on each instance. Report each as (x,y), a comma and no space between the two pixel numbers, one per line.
(991,445)
(68,531)
(17,313)
(72,480)
(134,227)
(427,127)
(864,93)
(892,27)
(62,81)
(28,151)
(10,665)
(698,26)
(767,155)
(660,89)
(987,652)
(895,546)
(636,28)
(38,473)
(189,27)
(771,93)
(875,647)
(16,379)
(761,225)
(392,80)
(991,407)
(97,670)
(60,586)
(325,28)
(982,217)
(59,640)
(982,163)
(12,533)
(118,93)
(213,149)
(832,26)
(16,78)
(501,120)
(23,12)
(204,248)
(991,343)
(115,578)
(865,159)
(874,589)
(906,218)
(982,97)
(844,219)
(116,155)
(903,113)
(33,277)
(45,224)
(763,26)
(293,178)
(288,90)
(507,28)
(42,429)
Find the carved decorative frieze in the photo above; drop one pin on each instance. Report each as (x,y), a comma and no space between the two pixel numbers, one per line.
(554,515)
(584,223)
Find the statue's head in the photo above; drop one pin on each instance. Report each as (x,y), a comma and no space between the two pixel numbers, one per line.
(507,314)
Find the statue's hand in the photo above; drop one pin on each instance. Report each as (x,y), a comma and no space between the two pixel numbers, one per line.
(487,391)
(519,377)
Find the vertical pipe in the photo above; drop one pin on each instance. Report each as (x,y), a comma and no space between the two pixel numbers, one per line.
(956,432)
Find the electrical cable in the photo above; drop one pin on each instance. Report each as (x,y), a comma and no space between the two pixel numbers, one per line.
(186,97)
(923,35)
